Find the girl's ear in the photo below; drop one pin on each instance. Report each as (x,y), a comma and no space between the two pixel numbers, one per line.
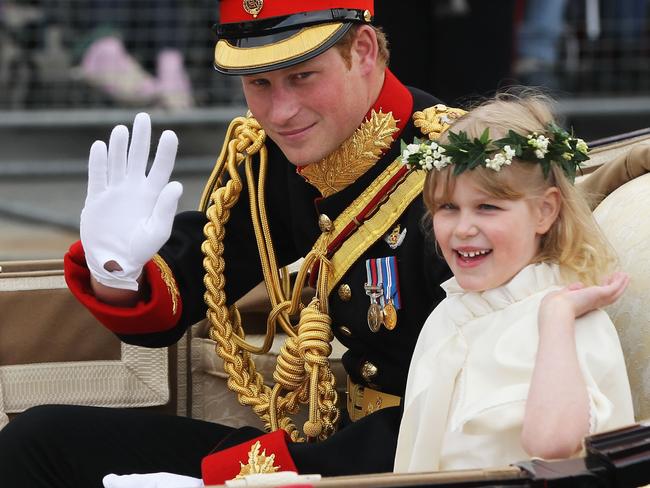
(549,209)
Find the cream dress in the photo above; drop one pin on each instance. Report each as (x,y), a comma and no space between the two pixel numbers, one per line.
(470,373)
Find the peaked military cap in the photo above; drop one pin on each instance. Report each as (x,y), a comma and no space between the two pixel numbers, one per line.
(254,36)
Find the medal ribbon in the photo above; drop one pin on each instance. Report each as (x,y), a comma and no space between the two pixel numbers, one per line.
(373,279)
(388,266)
(382,272)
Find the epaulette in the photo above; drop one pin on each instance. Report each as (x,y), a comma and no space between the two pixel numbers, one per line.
(433,121)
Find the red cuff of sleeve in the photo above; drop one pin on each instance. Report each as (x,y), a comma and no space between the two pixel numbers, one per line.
(224,465)
(161,312)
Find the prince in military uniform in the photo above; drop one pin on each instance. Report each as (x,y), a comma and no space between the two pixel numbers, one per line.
(327,120)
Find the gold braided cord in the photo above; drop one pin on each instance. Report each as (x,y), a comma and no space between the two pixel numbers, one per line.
(302,372)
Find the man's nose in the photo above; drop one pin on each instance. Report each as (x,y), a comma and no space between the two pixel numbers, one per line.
(284,105)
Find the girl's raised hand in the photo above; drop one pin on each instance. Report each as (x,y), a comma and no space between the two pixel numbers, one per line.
(583,299)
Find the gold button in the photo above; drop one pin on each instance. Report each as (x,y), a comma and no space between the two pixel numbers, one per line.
(345,331)
(345,292)
(324,223)
(367,16)
(368,371)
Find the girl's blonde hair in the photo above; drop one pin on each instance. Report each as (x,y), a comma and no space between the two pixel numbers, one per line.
(574,241)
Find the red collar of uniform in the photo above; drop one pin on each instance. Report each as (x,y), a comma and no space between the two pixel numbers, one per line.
(394,97)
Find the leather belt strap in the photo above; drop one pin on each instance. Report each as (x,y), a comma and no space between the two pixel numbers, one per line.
(363,400)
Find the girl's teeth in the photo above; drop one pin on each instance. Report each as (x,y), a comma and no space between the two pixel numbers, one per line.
(472,254)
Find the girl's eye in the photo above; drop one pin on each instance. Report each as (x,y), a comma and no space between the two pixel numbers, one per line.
(446,206)
(487,206)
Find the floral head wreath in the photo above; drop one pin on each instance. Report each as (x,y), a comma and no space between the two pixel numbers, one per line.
(556,146)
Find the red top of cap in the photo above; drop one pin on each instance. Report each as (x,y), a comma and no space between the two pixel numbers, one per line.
(233,10)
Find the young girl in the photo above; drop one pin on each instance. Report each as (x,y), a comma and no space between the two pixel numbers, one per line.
(518,361)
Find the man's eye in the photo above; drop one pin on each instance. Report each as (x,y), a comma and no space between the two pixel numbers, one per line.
(303,76)
(260,82)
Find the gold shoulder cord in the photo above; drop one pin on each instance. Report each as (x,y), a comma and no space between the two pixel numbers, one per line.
(302,372)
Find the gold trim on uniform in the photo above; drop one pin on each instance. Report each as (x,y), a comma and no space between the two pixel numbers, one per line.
(257,463)
(354,157)
(169,280)
(253,7)
(433,121)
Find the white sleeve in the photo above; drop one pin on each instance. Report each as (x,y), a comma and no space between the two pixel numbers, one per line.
(603,367)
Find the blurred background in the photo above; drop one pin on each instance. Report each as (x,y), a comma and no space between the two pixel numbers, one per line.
(72,69)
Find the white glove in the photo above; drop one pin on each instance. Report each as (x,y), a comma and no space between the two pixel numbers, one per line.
(128,215)
(151,480)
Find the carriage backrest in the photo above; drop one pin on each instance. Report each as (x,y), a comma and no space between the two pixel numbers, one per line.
(624,216)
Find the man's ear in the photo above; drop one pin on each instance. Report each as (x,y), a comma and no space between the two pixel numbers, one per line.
(366,49)
(549,209)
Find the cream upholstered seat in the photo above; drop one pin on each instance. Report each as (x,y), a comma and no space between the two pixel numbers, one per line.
(625,218)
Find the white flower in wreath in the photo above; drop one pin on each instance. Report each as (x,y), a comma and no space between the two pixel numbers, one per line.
(410,150)
(581,146)
(427,163)
(503,158)
(539,143)
(441,162)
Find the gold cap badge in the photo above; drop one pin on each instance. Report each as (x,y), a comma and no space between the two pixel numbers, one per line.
(253,7)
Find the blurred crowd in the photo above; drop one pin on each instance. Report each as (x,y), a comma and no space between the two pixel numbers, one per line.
(157,53)
(103,52)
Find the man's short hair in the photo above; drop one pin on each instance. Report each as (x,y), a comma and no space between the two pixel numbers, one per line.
(344,45)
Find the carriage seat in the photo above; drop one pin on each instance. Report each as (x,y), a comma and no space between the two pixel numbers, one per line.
(624,216)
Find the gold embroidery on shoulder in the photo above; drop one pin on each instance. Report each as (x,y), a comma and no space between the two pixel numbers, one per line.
(355,156)
(257,463)
(169,280)
(433,121)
